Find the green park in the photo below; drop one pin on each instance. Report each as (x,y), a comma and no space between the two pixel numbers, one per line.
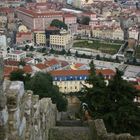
(105,47)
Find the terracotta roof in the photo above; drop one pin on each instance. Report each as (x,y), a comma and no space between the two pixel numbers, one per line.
(81,72)
(41,66)
(20,34)
(69,15)
(10,63)
(77,65)
(8,70)
(27,69)
(6,10)
(137,87)
(34,13)
(69,72)
(63,63)
(51,62)
(106,72)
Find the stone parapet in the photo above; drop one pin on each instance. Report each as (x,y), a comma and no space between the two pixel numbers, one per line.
(98,132)
(23,116)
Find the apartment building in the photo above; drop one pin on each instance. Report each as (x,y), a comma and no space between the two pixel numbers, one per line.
(16,55)
(24,37)
(37,18)
(39,37)
(61,41)
(73,80)
(108,33)
(71,21)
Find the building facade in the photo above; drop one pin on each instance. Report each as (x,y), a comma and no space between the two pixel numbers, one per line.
(73,80)
(37,19)
(16,55)
(61,41)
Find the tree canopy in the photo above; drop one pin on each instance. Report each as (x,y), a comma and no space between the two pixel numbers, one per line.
(59,24)
(113,103)
(19,75)
(84,20)
(42,84)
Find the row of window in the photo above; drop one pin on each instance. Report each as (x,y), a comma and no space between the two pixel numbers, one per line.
(70,78)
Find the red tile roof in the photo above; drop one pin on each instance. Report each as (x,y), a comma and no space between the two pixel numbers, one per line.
(27,69)
(20,34)
(106,72)
(34,13)
(6,10)
(9,69)
(69,72)
(81,72)
(41,66)
(77,65)
(51,62)
(137,87)
(68,15)
(11,63)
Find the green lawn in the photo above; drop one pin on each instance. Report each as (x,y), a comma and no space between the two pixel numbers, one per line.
(98,45)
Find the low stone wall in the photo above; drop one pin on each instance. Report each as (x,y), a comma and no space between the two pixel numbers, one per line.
(99,132)
(69,133)
(23,116)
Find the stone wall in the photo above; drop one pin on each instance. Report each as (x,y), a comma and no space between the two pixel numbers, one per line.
(23,116)
(99,132)
(69,133)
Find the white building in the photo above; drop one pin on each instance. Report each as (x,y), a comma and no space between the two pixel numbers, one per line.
(16,55)
(133,33)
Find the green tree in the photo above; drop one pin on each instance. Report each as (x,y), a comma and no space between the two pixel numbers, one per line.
(123,114)
(69,53)
(26,47)
(42,84)
(85,20)
(52,51)
(113,103)
(59,24)
(32,48)
(76,54)
(94,95)
(17,75)
(98,57)
(63,51)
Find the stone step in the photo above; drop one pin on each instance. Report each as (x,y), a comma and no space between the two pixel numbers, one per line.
(69,123)
(69,133)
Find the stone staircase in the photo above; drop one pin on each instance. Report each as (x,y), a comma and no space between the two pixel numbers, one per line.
(69,130)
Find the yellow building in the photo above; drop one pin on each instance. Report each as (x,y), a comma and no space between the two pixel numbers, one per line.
(109,33)
(40,38)
(61,41)
(73,80)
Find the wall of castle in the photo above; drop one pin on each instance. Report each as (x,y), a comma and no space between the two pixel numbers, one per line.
(23,116)
(98,132)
